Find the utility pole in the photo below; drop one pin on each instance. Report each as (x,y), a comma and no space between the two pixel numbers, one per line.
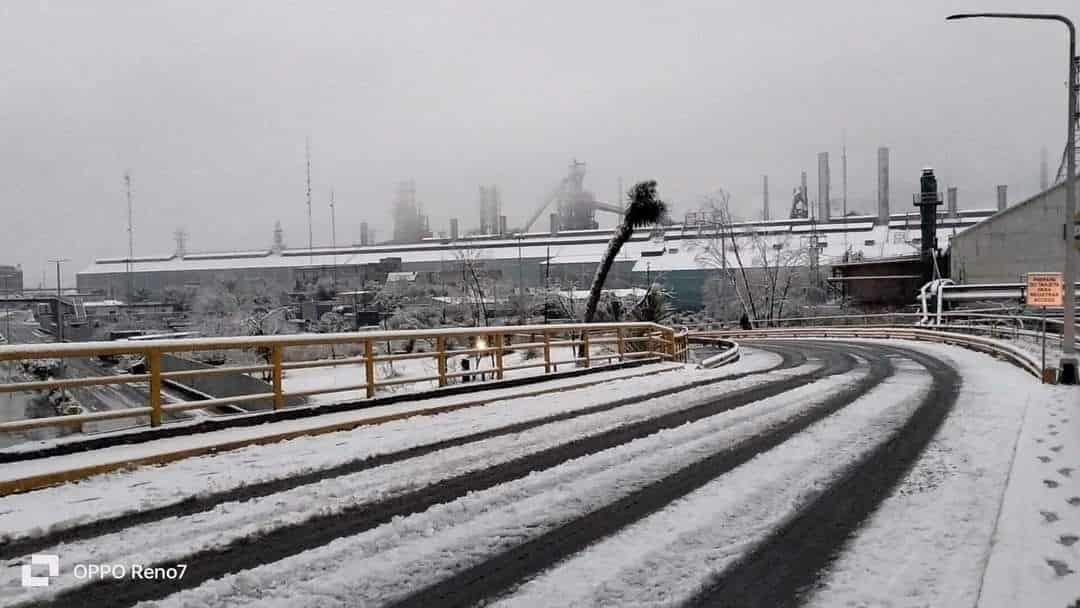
(843,170)
(333,233)
(131,239)
(59,304)
(310,234)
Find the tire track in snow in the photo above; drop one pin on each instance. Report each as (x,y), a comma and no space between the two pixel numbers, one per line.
(290,539)
(792,559)
(500,573)
(192,505)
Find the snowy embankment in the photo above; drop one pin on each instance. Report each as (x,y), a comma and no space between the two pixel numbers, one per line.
(1036,557)
(143,489)
(413,551)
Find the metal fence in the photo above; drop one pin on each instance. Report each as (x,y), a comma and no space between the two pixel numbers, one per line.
(591,344)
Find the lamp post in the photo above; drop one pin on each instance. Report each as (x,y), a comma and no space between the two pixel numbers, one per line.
(1068,345)
(59,304)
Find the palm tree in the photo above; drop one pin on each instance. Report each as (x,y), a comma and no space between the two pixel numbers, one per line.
(644,209)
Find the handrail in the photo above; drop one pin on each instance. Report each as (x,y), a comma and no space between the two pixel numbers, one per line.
(1014,355)
(631,340)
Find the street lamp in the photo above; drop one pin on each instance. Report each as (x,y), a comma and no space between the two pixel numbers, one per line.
(1068,345)
(59,306)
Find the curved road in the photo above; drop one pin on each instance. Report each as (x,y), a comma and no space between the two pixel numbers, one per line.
(833,375)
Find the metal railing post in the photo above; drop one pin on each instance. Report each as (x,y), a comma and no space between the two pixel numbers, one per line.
(622,345)
(369,366)
(440,346)
(498,356)
(547,352)
(153,367)
(277,355)
(585,347)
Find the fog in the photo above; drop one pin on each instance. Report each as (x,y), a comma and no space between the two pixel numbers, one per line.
(208,106)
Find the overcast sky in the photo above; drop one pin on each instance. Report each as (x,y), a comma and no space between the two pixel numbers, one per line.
(208,104)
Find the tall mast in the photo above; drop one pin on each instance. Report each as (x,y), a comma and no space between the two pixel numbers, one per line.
(310,234)
(333,232)
(131,235)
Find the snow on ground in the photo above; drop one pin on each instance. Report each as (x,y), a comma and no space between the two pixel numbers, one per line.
(929,541)
(1036,557)
(175,537)
(413,551)
(154,486)
(296,380)
(665,558)
(148,487)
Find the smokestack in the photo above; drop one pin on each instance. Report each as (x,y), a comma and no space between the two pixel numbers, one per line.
(805,193)
(954,211)
(364,234)
(823,186)
(883,186)
(453,229)
(1002,197)
(765,197)
(502,224)
(1044,172)
(928,201)
(554,219)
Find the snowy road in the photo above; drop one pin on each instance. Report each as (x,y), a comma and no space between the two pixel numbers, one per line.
(745,486)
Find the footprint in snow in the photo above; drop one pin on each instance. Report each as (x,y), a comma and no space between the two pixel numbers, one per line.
(1065,471)
(1050,483)
(1074,501)
(1068,539)
(1060,567)
(1038,440)
(1049,516)
(1044,459)
(1056,448)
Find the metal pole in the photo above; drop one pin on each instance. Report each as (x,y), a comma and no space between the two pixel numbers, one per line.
(1068,347)
(1044,344)
(59,304)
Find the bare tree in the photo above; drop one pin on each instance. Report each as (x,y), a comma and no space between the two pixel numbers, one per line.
(760,268)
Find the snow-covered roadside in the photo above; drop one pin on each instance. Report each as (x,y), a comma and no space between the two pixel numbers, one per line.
(176,537)
(352,374)
(146,487)
(665,558)
(928,542)
(1035,559)
(411,552)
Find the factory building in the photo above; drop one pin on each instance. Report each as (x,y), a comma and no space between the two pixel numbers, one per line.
(11,280)
(1025,237)
(676,256)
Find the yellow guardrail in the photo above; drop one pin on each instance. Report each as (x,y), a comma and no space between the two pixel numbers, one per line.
(630,341)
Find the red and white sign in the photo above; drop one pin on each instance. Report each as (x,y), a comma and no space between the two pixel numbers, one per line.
(1045,290)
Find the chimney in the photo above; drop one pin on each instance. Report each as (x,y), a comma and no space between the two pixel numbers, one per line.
(502,224)
(823,186)
(805,193)
(1044,172)
(928,201)
(554,219)
(1002,197)
(883,186)
(954,211)
(765,197)
(364,234)
(453,229)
